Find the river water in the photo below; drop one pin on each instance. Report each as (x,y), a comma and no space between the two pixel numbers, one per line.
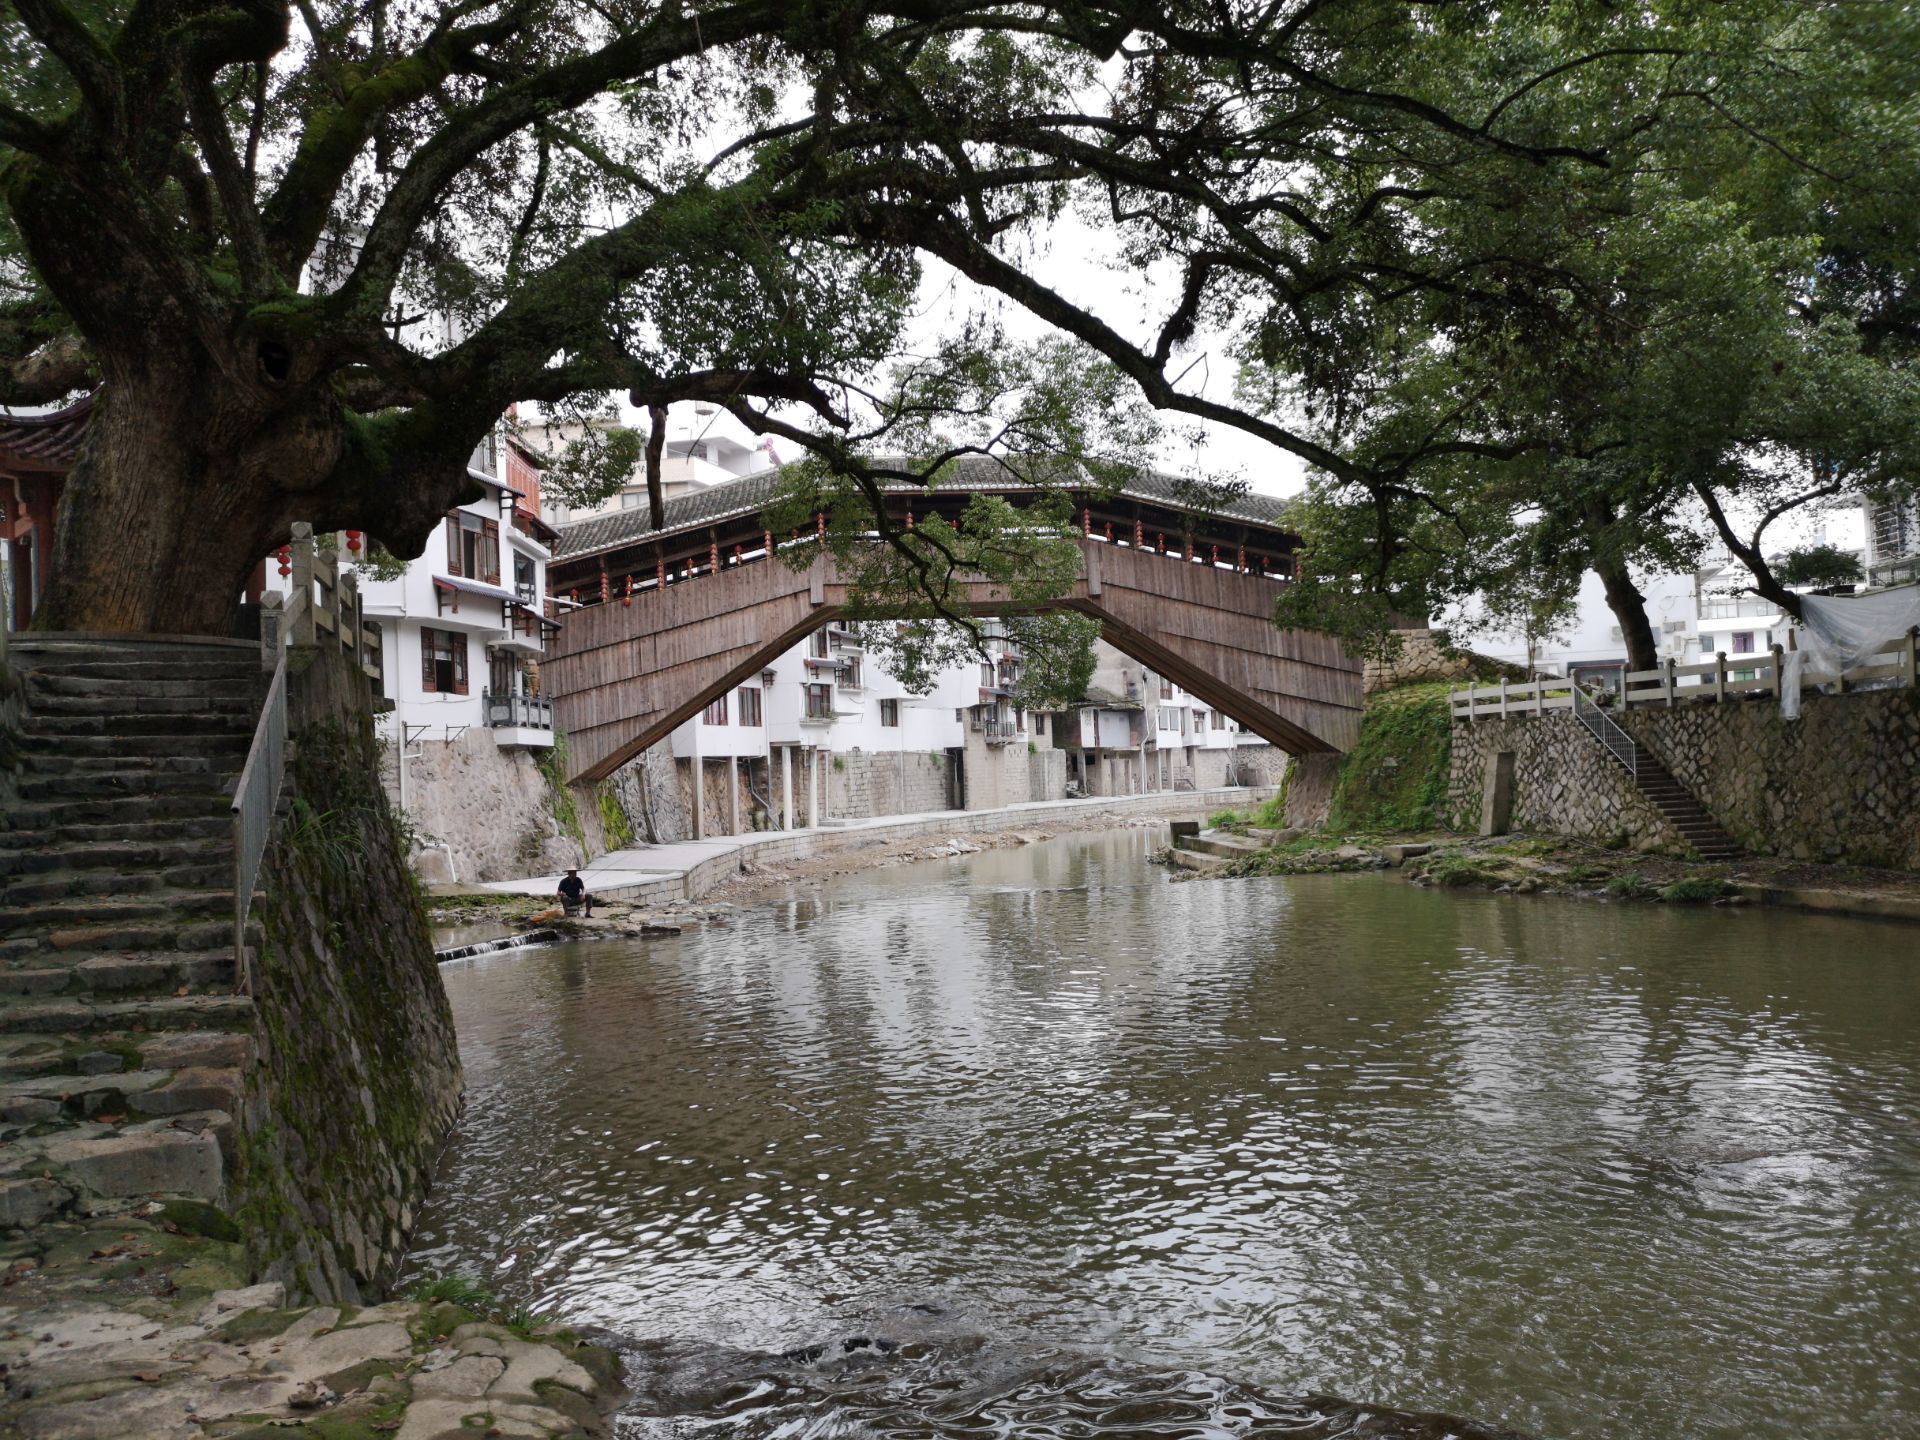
(1079,1139)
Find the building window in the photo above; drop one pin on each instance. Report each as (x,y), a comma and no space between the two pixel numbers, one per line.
(1169,718)
(986,676)
(1219,721)
(817,645)
(1039,724)
(850,671)
(819,702)
(890,713)
(749,697)
(443,662)
(1166,691)
(1743,642)
(500,672)
(473,547)
(716,713)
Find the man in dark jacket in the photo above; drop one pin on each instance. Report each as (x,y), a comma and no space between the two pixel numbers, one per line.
(573,894)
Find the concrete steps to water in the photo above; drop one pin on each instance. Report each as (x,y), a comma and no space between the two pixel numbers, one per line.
(1221,844)
(121,1035)
(1699,830)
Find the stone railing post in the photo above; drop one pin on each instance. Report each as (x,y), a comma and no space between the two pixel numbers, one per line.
(1503,697)
(301,556)
(1779,668)
(1912,660)
(1720,676)
(273,615)
(1666,679)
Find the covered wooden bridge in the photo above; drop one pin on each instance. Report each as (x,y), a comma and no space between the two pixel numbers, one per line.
(673,618)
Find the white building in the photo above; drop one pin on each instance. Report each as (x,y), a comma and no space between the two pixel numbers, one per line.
(824,734)
(704,446)
(1892,543)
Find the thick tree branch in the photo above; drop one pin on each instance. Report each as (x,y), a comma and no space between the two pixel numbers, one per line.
(50,373)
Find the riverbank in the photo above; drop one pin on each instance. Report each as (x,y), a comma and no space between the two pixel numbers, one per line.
(1583,869)
(142,1325)
(665,885)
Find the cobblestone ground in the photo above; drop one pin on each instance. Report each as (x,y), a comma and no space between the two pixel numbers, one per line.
(134,1328)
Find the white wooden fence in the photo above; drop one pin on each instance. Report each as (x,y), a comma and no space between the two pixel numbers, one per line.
(1711,681)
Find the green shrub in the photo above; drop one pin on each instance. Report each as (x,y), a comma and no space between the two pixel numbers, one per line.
(1227,819)
(1395,777)
(1628,885)
(1586,874)
(1694,890)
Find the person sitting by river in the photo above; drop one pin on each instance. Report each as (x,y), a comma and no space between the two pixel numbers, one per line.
(573,894)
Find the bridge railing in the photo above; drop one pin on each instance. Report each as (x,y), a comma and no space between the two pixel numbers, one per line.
(1096,527)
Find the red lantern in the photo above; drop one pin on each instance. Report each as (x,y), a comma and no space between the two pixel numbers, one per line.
(627,599)
(738,554)
(1109,532)
(909,517)
(820,524)
(353,541)
(1086,523)
(660,573)
(1216,554)
(285,556)
(713,556)
(1163,544)
(1139,535)
(1241,563)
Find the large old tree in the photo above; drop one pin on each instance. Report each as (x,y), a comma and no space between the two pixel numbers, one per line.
(308,252)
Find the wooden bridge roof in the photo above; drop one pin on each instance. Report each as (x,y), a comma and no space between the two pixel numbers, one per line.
(736,499)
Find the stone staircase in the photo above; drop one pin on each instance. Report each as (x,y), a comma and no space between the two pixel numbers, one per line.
(1700,831)
(122,1037)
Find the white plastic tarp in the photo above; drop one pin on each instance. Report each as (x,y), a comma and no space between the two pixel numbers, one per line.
(1835,635)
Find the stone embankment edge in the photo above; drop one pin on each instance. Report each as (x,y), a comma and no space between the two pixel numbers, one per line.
(777,846)
(1828,902)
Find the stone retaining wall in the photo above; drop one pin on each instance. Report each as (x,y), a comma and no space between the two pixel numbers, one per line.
(1841,784)
(1427,656)
(354,1076)
(482,812)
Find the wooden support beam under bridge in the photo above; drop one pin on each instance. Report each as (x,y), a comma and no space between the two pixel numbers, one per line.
(624,676)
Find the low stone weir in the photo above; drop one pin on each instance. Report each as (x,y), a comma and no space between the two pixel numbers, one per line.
(504,942)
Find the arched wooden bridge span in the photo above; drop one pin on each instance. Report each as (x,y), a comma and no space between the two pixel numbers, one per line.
(675,618)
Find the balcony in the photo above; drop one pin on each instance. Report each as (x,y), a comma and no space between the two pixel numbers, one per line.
(1001,732)
(518,719)
(1738,609)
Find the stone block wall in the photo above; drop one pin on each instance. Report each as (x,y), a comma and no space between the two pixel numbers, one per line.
(648,788)
(354,1076)
(1047,775)
(1841,784)
(482,812)
(1563,783)
(1309,791)
(1427,656)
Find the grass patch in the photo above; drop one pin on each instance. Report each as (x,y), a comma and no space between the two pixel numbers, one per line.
(466,1293)
(1229,820)
(1461,872)
(1395,777)
(1695,890)
(1630,885)
(1587,874)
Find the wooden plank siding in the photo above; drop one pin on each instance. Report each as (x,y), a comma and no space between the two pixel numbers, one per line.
(623,677)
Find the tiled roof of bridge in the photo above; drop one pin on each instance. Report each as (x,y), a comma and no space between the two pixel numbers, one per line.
(49,441)
(752,493)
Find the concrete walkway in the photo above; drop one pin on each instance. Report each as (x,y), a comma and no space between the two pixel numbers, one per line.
(687,869)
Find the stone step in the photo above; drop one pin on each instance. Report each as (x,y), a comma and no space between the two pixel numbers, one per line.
(1194,860)
(127,722)
(45,834)
(87,785)
(179,1155)
(42,706)
(1227,847)
(149,971)
(168,649)
(26,1055)
(61,853)
(47,687)
(230,745)
(53,918)
(222,768)
(204,874)
(85,1015)
(106,665)
(71,817)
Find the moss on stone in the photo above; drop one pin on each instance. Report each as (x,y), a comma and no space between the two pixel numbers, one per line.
(251,1325)
(196,1217)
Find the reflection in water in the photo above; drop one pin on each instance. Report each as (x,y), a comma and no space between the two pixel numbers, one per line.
(1586,1170)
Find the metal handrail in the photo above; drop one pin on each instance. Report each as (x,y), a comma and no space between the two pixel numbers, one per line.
(531,711)
(255,797)
(1618,743)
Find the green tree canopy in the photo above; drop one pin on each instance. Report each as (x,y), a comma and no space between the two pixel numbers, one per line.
(244,220)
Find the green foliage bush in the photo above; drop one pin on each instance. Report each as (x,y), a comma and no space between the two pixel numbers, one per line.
(1628,885)
(1395,778)
(1695,890)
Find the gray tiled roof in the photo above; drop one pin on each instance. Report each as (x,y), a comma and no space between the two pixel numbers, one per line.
(751,493)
